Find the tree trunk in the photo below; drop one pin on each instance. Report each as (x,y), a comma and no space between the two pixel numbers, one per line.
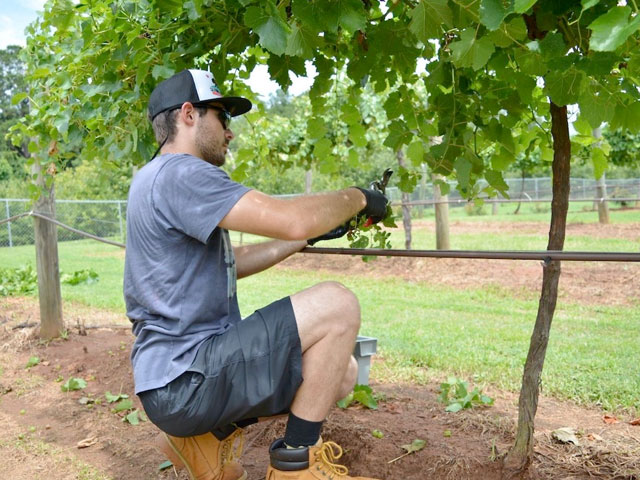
(406,208)
(423,190)
(308,180)
(524,174)
(603,206)
(442,216)
(519,457)
(46,239)
(601,190)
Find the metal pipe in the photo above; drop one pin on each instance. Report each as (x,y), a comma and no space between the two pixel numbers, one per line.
(545,255)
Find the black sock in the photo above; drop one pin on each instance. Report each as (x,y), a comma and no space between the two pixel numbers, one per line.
(301,433)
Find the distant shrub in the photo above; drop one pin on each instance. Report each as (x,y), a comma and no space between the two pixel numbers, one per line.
(474,210)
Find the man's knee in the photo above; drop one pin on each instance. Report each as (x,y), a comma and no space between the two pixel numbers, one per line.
(339,298)
(341,303)
(328,308)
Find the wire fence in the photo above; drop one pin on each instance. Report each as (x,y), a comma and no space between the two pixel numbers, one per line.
(531,189)
(107,218)
(102,218)
(547,256)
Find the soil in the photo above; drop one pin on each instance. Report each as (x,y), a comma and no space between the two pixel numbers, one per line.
(43,427)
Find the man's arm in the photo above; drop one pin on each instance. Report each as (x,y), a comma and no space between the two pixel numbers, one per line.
(255,258)
(297,218)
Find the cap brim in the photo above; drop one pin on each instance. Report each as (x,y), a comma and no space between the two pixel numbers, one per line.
(234,105)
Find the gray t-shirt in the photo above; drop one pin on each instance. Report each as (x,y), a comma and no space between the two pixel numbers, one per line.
(180,273)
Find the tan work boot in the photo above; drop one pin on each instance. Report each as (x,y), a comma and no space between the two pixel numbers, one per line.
(307,463)
(204,456)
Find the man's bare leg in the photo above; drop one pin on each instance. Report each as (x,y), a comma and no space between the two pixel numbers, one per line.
(328,318)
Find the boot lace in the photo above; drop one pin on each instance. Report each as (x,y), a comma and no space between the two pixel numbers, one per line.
(328,454)
(232,447)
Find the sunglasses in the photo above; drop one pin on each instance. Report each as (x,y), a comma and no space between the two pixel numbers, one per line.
(223,115)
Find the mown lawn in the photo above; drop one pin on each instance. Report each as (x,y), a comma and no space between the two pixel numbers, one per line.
(429,332)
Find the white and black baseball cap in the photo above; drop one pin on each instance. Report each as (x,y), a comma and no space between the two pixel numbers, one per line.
(195,86)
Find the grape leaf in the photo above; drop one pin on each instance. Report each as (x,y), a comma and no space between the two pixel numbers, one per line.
(428,17)
(611,29)
(269,26)
(627,116)
(493,12)
(123,405)
(496,181)
(599,160)
(73,384)
(463,168)
(564,88)
(415,446)
(472,52)
(521,6)
(302,42)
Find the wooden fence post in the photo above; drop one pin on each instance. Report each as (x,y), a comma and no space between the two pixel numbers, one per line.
(406,208)
(442,216)
(46,243)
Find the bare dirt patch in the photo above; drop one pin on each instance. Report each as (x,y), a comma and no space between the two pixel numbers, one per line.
(42,426)
(627,231)
(604,283)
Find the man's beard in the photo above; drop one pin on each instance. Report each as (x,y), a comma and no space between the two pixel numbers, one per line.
(211,151)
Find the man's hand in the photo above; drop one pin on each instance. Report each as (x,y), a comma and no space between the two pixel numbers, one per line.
(376,208)
(337,232)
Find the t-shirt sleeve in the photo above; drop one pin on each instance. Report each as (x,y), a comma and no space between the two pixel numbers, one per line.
(193,196)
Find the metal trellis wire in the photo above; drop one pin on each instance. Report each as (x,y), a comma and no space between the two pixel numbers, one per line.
(545,255)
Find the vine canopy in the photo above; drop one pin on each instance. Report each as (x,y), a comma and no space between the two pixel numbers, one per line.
(465,84)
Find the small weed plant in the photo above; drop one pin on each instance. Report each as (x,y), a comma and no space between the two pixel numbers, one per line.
(32,362)
(79,277)
(363,395)
(475,209)
(24,280)
(73,384)
(455,393)
(111,398)
(415,446)
(18,281)
(125,407)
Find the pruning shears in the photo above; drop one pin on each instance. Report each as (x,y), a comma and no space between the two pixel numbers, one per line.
(380,186)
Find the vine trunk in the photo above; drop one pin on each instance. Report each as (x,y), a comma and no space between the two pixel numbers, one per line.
(518,459)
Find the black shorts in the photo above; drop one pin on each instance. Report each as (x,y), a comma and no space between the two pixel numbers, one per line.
(252,370)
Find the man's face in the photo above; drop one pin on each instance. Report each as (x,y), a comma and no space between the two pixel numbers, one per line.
(212,139)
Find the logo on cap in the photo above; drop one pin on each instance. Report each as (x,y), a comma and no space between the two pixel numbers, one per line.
(213,86)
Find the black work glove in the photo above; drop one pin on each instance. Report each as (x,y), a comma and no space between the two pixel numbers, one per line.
(376,208)
(339,231)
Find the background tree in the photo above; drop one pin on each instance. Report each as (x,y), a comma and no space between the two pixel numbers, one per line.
(11,83)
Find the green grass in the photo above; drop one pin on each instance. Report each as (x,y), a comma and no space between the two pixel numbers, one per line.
(429,332)
(538,212)
(424,239)
(482,335)
(106,260)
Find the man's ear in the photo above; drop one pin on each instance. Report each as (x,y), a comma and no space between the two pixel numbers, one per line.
(188,113)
